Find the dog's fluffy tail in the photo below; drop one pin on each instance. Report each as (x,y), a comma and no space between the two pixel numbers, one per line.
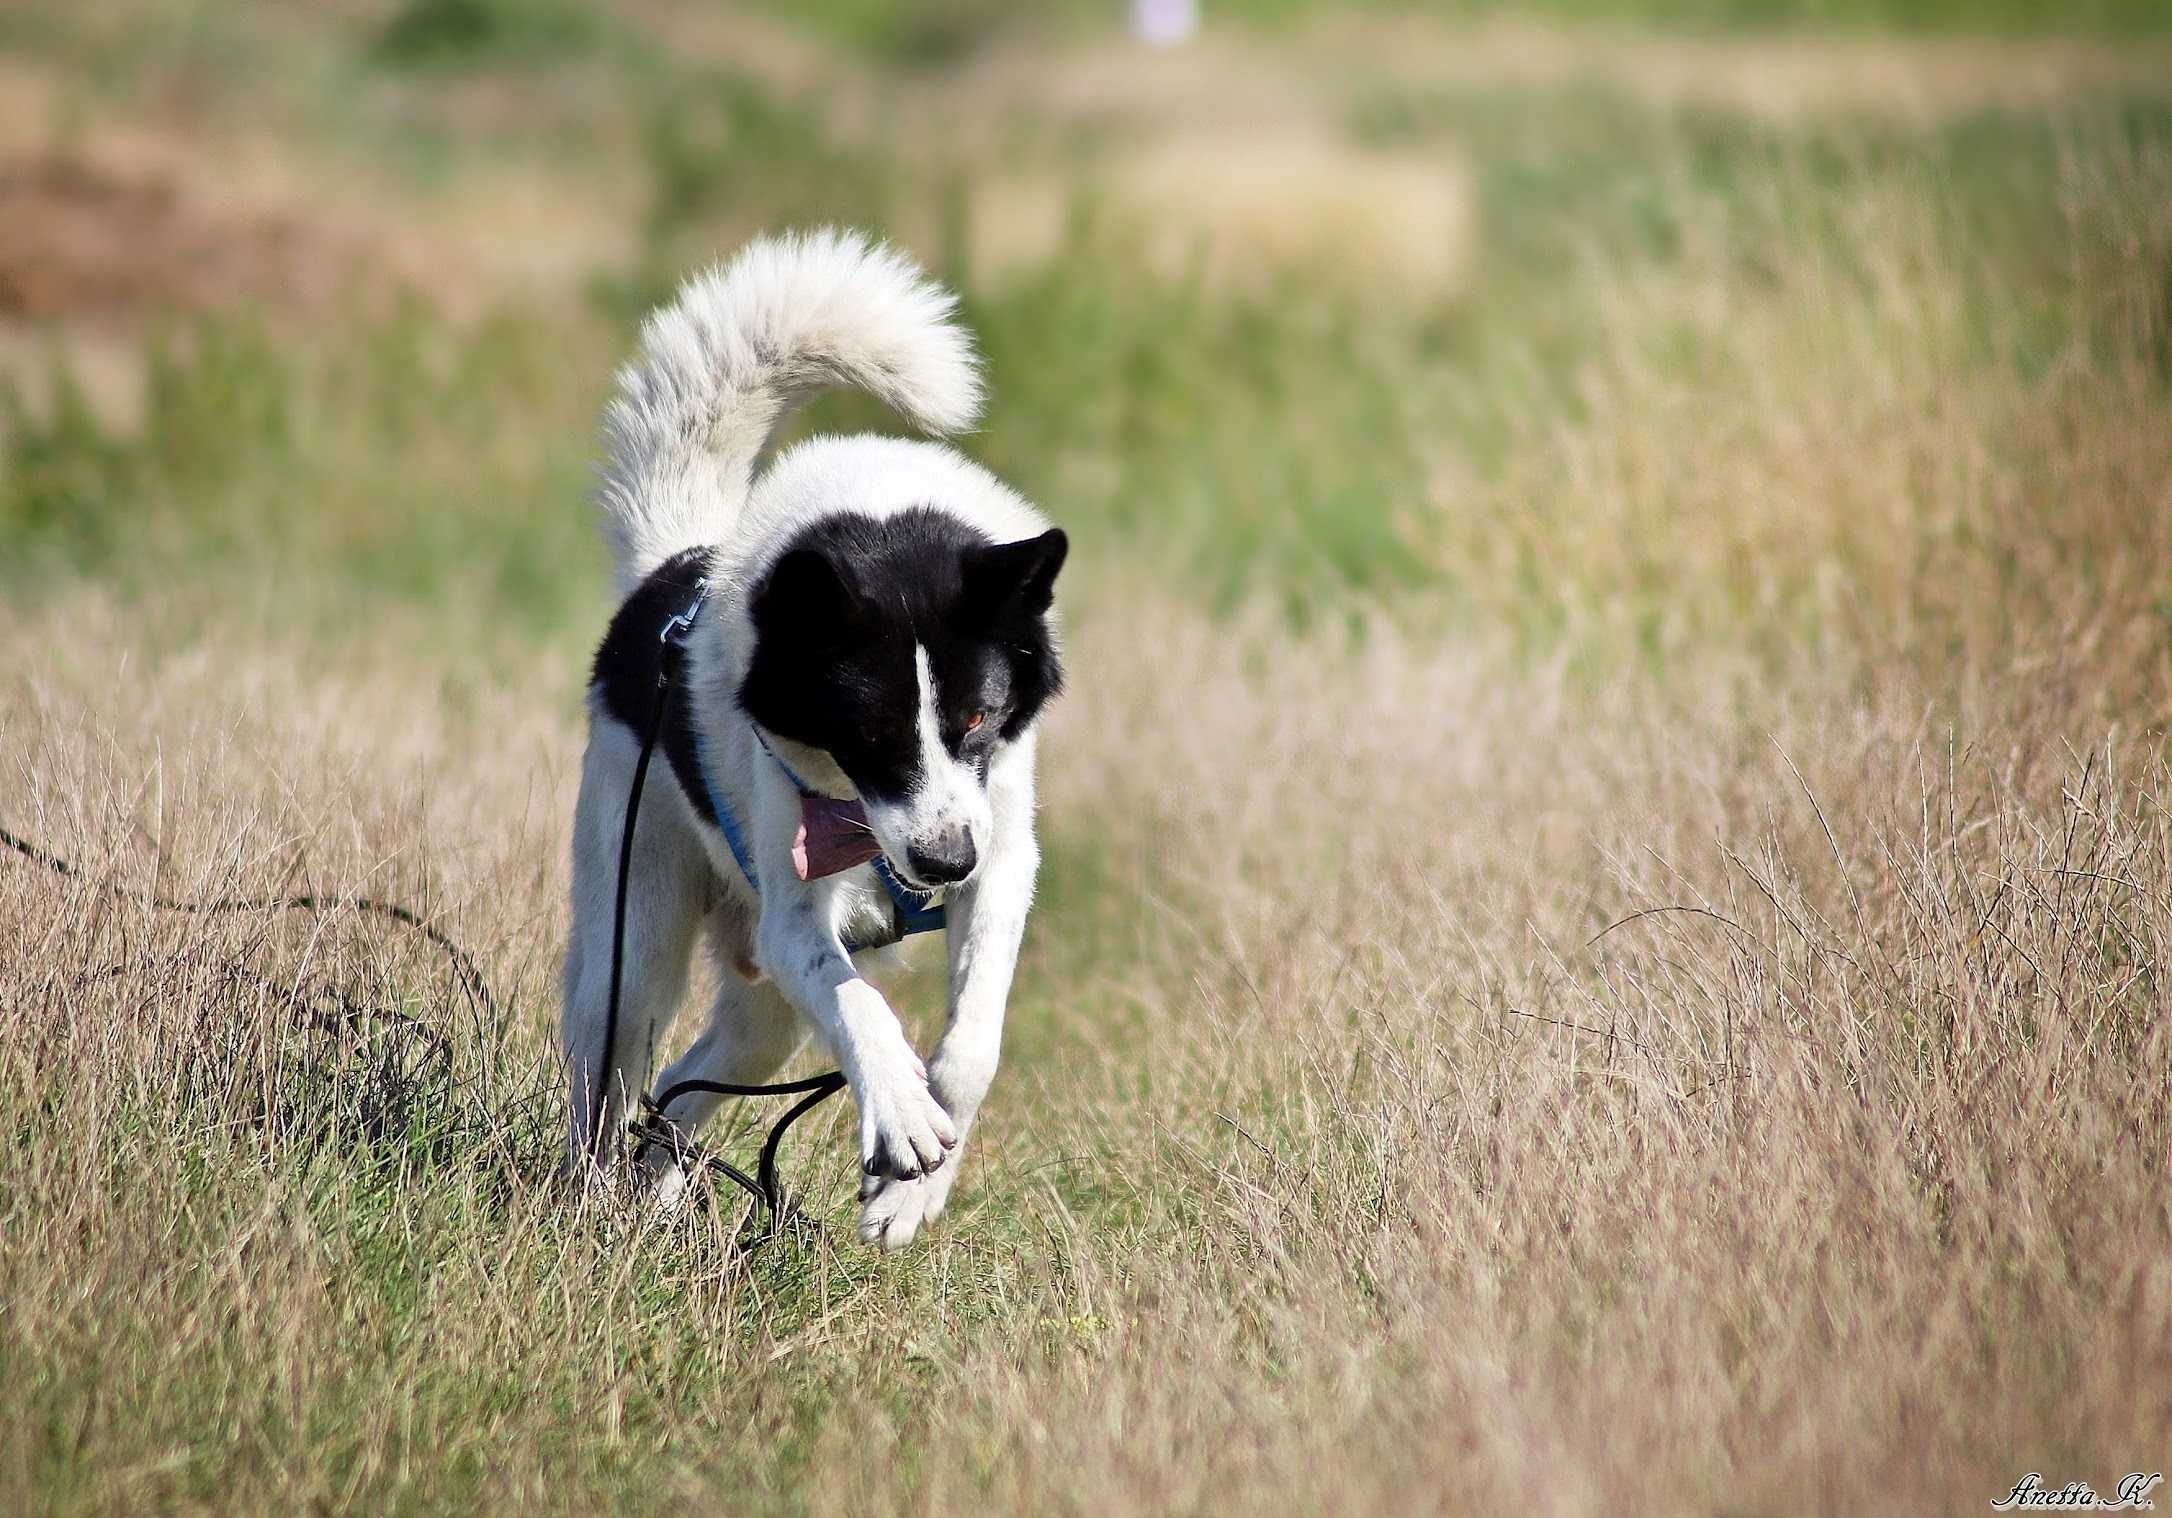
(721,365)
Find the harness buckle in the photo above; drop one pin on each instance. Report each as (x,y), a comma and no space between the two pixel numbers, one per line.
(676,627)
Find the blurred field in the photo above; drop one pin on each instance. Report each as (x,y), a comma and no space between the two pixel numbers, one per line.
(1608,850)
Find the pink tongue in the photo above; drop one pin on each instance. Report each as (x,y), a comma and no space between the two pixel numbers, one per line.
(833,836)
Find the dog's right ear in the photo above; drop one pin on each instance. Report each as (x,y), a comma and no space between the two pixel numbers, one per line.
(805,587)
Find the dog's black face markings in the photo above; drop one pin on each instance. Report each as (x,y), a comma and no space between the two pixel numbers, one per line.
(837,619)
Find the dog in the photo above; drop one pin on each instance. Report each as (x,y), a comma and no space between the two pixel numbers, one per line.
(867,641)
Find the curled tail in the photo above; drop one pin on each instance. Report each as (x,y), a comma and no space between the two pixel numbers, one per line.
(721,365)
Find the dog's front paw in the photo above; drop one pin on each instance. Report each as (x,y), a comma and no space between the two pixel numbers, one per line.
(904,1131)
(892,1212)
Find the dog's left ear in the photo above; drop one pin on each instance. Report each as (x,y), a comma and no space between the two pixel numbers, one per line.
(1019,575)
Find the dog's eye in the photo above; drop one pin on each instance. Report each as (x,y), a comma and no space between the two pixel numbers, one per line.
(972,723)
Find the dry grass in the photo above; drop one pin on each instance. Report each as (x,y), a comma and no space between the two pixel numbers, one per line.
(1243,210)
(1836,1175)
(1666,1016)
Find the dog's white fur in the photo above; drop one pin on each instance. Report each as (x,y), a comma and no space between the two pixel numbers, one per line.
(694,413)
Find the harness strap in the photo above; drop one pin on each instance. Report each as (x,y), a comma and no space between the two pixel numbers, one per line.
(917,911)
(914,911)
(726,823)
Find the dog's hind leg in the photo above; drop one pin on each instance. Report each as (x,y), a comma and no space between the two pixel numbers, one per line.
(666,887)
(752,1031)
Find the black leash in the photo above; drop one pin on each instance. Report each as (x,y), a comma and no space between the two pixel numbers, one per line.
(462,963)
(763,1183)
(654,1126)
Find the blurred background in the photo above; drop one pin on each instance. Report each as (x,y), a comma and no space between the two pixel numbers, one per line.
(1307,300)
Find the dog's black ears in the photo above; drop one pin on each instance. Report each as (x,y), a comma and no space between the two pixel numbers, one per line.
(1019,575)
(805,586)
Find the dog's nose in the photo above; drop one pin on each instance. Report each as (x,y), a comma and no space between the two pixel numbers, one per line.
(944,858)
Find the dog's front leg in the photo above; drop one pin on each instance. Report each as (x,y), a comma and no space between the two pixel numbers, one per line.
(904,1132)
(985,922)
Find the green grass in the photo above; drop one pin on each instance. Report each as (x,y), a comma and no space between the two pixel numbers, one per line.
(2018,17)
(252,459)
(467,33)
(920,35)
(1275,444)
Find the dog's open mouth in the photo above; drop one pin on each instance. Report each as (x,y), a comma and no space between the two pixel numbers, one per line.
(833,836)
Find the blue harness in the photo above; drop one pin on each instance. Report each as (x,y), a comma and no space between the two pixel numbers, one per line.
(915,911)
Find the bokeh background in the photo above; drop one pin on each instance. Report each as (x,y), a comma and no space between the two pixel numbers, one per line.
(1607,872)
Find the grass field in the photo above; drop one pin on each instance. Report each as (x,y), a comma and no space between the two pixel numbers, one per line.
(1608,852)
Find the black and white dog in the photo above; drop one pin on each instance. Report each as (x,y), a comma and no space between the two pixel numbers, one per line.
(870,644)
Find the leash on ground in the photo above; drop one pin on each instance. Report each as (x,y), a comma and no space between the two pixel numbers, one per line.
(762,1185)
(463,964)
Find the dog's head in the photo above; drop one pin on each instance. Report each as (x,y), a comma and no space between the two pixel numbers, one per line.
(909,649)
